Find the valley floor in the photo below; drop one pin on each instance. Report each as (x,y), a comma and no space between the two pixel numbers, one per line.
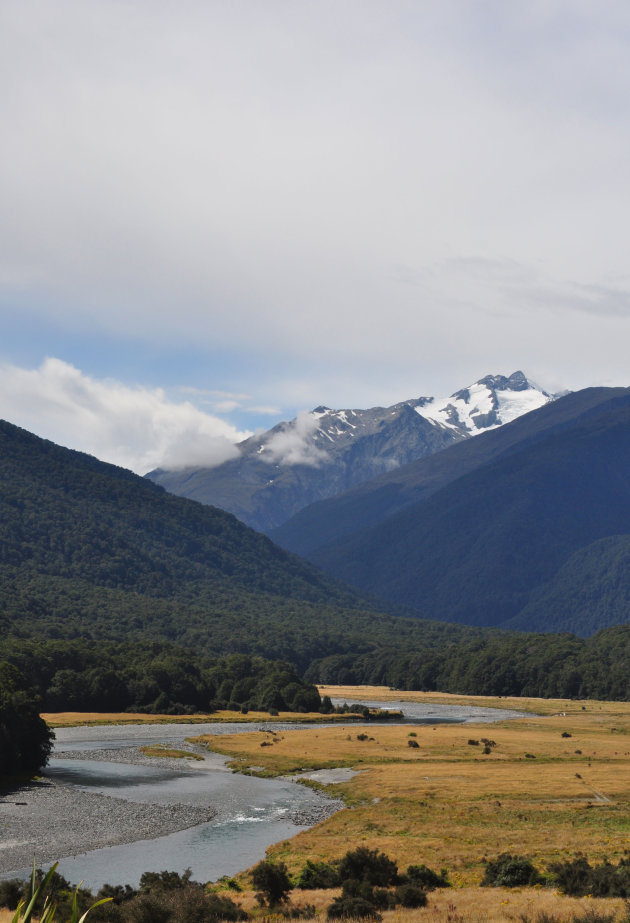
(551,786)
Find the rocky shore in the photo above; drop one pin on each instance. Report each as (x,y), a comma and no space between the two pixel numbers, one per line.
(50,819)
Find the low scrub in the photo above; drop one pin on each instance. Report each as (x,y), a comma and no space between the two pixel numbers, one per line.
(508,871)
(578,878)
(162,897)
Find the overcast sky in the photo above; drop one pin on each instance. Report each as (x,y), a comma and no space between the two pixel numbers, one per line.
(216,213)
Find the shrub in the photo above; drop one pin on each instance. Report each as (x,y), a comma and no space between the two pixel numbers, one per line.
(318,875)
(414,744)
(10,893)
(352,908)
(271,881)
(578,878)
(426,878)
(508,871)
(368,865)
(411,895)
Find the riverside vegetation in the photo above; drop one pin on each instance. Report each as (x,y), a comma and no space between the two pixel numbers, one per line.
(519,818)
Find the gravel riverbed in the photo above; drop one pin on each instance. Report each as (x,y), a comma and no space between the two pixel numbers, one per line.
(50,819)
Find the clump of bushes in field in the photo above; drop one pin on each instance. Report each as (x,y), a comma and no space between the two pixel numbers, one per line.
(578,878)
(575,877)
(369,881)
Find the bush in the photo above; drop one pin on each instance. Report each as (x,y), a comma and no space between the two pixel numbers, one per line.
(411,895)
(271,881)
(352,908)
(368,865)
(10,893)
(424,877)
(577,878)
(414,744)
(318,875)
(509,871)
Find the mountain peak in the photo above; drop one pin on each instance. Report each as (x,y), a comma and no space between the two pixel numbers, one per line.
(488,403)
(325,452)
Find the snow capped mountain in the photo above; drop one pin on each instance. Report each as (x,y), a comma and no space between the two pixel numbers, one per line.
(310,438)
(324,452)
(490,402)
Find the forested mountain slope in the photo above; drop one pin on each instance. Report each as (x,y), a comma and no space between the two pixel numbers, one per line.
(99,568)
(325,452)
(536,538)
(89,549)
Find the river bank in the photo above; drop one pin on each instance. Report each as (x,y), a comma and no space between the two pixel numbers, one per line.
(52,818)
(48,819)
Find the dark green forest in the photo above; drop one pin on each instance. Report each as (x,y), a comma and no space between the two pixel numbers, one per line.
(495,663)
(154,677)
(25,739)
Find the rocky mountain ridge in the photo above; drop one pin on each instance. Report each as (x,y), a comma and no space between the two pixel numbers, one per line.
(326,452)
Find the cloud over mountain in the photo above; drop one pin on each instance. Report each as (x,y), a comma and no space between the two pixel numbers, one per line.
(135,427)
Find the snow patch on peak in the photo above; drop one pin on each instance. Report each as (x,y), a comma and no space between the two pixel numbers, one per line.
(487,404)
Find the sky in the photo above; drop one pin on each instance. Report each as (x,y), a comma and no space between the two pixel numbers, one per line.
(216,214)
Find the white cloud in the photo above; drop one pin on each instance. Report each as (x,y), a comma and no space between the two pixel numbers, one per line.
(294,445)
(135,427)
(277,183)
(265,410)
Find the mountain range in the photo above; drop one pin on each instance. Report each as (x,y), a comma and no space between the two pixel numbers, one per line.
(527,526)
(99,567)
(325,452)
(90,550)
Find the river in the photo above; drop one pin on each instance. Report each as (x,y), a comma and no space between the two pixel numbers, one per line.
(250,813)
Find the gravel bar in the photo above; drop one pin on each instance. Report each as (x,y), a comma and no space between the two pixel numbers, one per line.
(50,820)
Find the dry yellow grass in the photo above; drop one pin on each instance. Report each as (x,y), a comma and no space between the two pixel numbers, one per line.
(447,803)
(465,905)
(82,719)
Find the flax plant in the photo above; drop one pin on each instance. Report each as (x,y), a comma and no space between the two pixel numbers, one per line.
(24,912)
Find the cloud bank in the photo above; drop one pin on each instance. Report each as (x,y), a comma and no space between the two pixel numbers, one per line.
(317,202)
(137,428)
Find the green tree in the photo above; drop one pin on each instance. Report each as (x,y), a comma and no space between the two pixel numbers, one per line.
(25,739)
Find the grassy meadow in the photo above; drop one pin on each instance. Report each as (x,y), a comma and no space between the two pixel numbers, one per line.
(86,719)
(553,785)
(550,786)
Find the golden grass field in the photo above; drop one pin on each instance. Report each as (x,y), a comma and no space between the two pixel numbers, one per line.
(85,719)
(447,804)
(554,785)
